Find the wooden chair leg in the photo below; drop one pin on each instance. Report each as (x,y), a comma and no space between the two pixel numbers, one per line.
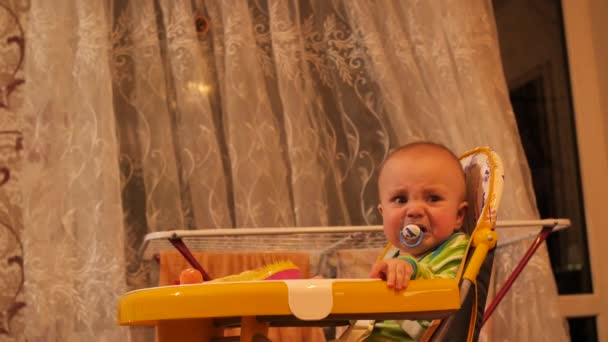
(252,330)
(187,330)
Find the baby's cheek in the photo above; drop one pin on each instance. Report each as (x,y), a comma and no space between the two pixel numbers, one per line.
(391,236)
(394,234)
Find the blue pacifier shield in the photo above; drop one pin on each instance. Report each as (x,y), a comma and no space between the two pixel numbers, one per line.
(411,236)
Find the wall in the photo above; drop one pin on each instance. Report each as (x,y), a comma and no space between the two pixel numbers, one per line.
(599,27)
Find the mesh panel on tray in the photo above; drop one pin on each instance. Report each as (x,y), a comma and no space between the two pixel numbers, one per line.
(318,243)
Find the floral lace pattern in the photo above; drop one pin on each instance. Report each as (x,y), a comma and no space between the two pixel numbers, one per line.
(12,302)
(137,120)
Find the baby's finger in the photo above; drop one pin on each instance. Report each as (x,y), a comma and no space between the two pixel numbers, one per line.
(391,274)
(400,277)
(406,278)
(378,270)
(407,275)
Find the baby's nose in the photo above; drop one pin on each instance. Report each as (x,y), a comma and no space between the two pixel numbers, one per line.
(414,209)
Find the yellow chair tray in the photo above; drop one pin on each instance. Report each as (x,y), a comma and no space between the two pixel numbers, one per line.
(290,300)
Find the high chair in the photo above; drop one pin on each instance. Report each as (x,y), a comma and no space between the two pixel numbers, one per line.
(200,312)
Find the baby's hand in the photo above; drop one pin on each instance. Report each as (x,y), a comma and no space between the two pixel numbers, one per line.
(397,272)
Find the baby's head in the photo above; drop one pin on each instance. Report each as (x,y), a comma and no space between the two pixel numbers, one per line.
(422,183)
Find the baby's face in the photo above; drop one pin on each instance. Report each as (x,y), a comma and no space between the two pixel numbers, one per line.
(424,188)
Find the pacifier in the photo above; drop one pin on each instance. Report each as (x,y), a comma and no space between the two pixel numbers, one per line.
(411,235)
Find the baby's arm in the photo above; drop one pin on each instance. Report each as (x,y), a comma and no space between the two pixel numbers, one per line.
(397,272)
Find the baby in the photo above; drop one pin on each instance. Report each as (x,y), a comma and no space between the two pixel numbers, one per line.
(423,184)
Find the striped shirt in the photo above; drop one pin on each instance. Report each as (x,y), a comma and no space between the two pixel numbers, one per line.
(443,262)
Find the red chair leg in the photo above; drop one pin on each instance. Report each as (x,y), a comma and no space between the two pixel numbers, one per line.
(540,238)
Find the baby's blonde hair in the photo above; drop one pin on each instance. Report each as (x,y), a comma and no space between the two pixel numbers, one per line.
(418,144)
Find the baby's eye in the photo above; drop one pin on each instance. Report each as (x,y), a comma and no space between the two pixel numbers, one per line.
(399,199)
(434,198)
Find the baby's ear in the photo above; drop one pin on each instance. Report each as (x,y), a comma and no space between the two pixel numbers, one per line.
(380,208)
(462,211)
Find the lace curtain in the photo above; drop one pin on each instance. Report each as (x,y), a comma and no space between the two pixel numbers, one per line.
(143,115)
(12,17)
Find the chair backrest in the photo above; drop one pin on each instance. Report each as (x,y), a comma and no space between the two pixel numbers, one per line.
(484,177)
